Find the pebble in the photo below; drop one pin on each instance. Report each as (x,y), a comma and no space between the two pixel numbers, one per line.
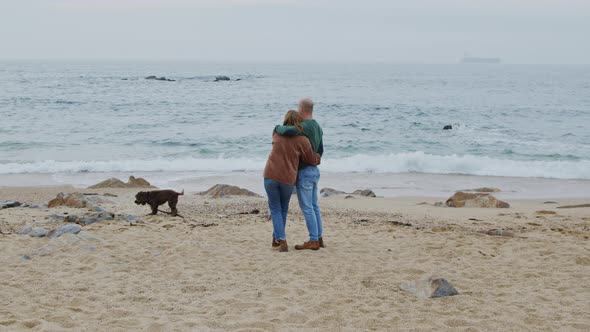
(9,204)
(431,287)
(67,228)
(38,232)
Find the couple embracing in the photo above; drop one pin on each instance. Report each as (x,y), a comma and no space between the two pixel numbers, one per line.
(297,147)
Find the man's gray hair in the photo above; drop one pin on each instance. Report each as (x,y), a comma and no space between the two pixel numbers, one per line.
(307,104)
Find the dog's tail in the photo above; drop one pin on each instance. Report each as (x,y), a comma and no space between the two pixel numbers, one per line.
(181,193)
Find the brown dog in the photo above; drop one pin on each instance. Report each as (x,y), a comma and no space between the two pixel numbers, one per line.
(158,197)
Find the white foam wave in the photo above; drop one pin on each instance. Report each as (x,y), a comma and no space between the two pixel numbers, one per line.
(394,163)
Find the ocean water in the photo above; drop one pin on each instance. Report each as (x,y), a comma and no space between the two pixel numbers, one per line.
(71,118)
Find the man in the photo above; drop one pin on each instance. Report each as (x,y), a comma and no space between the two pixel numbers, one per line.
(308,176)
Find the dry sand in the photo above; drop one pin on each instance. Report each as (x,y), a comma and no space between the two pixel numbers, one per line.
(170,274)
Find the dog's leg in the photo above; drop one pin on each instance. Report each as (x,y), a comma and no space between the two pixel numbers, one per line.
(154,209)
(172,203)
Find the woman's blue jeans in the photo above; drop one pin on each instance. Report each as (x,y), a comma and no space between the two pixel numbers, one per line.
(279,195)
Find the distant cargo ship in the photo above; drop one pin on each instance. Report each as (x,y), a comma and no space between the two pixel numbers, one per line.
(472,59)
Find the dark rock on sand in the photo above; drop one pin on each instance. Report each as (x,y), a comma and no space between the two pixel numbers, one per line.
(222,78)
(96,217)
(64,229)
(133,182)
(9,204)
(38,232)
(447,127)
(431,287)
(365,192)
(484,200)
(222,190)
(327,192)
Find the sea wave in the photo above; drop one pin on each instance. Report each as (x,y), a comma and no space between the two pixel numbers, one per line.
(418,162)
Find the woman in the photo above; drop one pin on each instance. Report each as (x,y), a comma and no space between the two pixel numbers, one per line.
(280,175)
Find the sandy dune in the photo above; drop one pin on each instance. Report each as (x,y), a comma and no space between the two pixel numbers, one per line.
(170,274)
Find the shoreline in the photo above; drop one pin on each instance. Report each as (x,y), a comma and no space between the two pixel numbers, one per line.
(383,184)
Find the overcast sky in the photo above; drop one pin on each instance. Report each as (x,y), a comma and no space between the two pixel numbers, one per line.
(415,31)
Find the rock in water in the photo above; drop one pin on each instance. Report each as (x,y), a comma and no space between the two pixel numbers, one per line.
(64,229)
(366,193)
(447,127)
(431,287)
(222,190)
(461,199)
(222,78)
(327,192)
(153,77)
(6,205)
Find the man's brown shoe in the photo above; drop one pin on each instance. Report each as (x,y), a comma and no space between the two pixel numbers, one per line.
(283,246)
(321,241)
(275,244)
(311,245)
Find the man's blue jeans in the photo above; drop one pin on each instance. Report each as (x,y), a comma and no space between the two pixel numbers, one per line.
(307,194)
(279,195)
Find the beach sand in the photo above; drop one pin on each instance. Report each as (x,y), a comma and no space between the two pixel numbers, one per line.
(174,274)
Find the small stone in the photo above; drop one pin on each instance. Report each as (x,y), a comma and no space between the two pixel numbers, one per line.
(65,229)
(349,197)
(9,204)
(26,230)
(38,206)
(38,232)
(447,127)
(431,287)
(222,78)
(73,219)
